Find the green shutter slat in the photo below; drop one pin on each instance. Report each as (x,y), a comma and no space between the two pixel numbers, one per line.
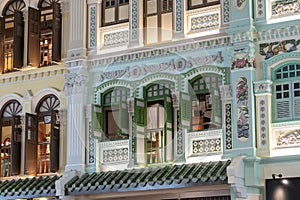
(140,112)
(123,118)
(283,109)
(297,107)
(185,110)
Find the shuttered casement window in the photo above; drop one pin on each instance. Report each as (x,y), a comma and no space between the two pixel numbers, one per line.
(114,12)
(287,92)
(185,110)
(158,20)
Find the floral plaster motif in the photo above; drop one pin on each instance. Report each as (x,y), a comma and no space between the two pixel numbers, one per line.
(271,49)
(287,138)
(242,63)
(240,4)
(285,7)
(243,111)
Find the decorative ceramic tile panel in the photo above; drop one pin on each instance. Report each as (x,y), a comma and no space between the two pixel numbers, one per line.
(179,136)
(91,145)
(134,20)
(260,8)
(207,146)
(205,22)
(226,11)
(117,38)
(179,15)
(228,126)
(115,155)
(93,27)
(263,122)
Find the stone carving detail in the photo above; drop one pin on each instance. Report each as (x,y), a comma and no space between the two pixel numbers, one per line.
(263,123)
(76,80)
(242,109)
(91,144)
(226,91)
(205,22)
(178,65)
(228,127)
(288,137)
(115,155)
(243,57)
(271,49)
(285,7)
(207,146)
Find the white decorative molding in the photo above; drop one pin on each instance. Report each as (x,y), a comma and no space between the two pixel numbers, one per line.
(5,98)
(236,176)
(75,82)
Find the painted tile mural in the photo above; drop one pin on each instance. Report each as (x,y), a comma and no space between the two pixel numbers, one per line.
(287,137)
(242,109)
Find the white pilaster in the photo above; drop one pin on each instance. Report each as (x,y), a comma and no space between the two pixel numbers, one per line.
(78,30)
(76,93)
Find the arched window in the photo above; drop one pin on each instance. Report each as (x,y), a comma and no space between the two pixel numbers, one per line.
(114,12)
(44,38)
(158,20)
(10,135)
(12,36)
(42,137)
(286,90)
(155,114)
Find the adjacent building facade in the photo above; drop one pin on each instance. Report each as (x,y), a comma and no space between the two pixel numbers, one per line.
(152,99)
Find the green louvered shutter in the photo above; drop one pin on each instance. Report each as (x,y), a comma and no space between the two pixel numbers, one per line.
(123,118)
(168,129)
(140,117)
(283,106)
(98,120)
(185,110)
(296,90)
(216,108)
(140,112)
(31,137)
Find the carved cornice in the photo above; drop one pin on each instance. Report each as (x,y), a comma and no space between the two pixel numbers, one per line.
(278,32)
(33,74)
(128,57)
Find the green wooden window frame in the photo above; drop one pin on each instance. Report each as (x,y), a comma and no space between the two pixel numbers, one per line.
(206,102)
(286,92)
(114,101)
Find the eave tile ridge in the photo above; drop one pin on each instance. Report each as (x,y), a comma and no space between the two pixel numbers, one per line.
(42,186)
(154,177)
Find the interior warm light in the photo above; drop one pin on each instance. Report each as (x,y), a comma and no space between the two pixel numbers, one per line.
(285,181)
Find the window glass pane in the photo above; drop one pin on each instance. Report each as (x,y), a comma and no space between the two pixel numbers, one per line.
(296,85)
(285,68)
(286,94)
(285,75)
(109,15)
(278,76)
(278,96)
(297,93)
(292,74)
(278,88)
(292,67)
(285,87)
(151,6)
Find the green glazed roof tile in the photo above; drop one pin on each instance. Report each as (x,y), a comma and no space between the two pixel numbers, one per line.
(149,178)
(44,186)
